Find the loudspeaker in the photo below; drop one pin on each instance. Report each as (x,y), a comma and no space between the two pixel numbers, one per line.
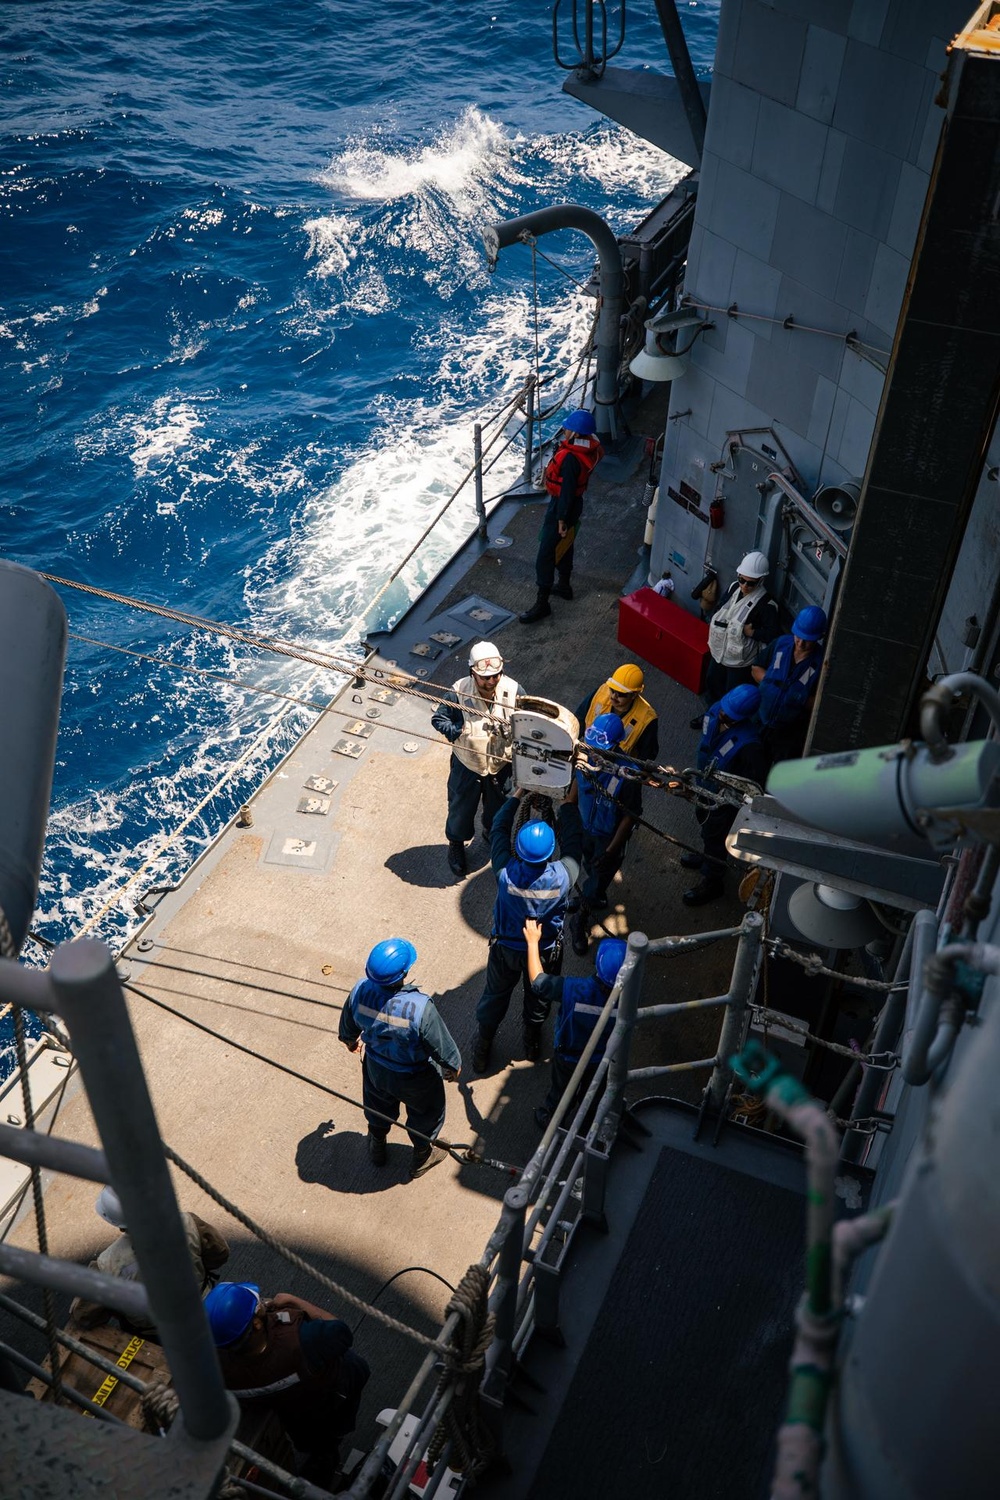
(837,504)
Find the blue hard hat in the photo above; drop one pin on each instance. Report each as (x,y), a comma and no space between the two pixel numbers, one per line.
(606,732)
(390,961)
(810,623)
(741,702)
(581,422)
(610,957)
(535,843)
(231,1306)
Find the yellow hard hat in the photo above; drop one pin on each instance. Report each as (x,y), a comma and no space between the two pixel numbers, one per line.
(627,679)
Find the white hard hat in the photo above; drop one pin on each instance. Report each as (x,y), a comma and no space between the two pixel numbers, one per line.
(485,658)
(754,565)
(109,1207)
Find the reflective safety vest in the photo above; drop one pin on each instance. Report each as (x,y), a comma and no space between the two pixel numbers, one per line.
(389,1019)
(726,641)
(581,1006)
(639,716)
(599,814)
(787,685)
(721,747)
(525,891)
(587,449)
(480,747)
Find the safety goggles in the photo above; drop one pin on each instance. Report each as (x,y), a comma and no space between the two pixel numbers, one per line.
(490,666)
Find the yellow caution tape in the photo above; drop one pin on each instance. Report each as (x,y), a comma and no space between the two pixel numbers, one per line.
(123,1361)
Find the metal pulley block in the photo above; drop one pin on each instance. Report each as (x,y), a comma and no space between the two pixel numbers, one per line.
(544,736)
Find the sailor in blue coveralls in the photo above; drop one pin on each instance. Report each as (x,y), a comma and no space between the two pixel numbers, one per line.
(530,883)
(730,742)
(580,1003)
(609,806)
(788,680)
(408,1051)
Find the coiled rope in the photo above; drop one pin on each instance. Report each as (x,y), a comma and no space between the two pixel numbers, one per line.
(462,1425)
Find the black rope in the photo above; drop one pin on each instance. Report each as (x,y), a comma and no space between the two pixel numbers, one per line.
(460,1151)
(396,1274)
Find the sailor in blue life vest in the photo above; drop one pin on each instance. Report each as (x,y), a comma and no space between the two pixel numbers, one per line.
(408,1050)
(580,1003)
(788,680)
(730,741)
(475,718)
(292,1358)
(609,805)
(577,454)
(530,883)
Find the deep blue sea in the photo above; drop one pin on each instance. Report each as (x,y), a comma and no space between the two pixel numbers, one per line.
(246,328)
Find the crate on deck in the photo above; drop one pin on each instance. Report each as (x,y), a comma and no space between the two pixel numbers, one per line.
(665,635)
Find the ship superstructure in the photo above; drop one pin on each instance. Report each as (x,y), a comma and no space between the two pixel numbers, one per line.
(643,1262)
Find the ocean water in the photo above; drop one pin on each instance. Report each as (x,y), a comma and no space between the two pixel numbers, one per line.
(246,327)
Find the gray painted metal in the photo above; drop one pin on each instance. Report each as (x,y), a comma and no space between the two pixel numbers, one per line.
(649,104)
(497,237)
(48,1453)
(937,415)
(741,989)
(762,835)
(913,1410)
(128,1297)
(32,615)
(694,104)
(37,1150)
(93,1007)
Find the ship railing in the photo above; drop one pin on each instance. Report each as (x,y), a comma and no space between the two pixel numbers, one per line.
(564,1184)
(82,988)
(592,54)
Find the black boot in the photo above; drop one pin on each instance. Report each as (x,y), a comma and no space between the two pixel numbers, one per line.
(532,1040)
(563,588)
(538,610)
(481,1051)
(708,889)
(376,1148)
(579,931)
(692,860)
(456,857)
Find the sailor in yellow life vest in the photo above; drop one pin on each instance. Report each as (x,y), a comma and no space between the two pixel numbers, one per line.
(622,695)
(569,469)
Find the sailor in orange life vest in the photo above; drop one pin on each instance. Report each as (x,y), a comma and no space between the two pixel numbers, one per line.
(294,1359)
(566,476)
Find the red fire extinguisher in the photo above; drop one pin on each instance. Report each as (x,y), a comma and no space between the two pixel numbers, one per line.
(717,512)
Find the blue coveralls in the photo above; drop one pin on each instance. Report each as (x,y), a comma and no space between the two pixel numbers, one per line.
(785,690)
(526,890)
(737,750)
(406,1046)
(604,798)
(580,1004)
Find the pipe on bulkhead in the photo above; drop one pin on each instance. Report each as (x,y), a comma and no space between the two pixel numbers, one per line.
(938,699)
(32,656)
(526,228)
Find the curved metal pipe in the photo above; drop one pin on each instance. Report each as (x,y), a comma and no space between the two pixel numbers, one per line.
(940,1016)
(497,237)
(939,698)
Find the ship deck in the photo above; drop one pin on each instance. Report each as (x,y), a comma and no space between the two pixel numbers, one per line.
(242,971)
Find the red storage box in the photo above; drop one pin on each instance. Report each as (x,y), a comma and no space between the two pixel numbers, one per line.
(665,635)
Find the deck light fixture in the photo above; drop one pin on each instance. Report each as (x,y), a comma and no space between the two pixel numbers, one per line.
(661,359)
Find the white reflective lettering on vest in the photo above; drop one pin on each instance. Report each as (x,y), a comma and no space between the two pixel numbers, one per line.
(381,1015)
(537,894)
(725,747)
(593,1010)
(476,747)
(807,675)
(726,641)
